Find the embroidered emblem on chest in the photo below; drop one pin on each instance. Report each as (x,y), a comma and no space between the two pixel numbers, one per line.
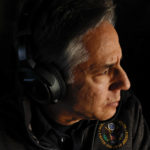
(113,135)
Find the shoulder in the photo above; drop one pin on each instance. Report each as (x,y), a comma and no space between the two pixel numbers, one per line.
(127,130)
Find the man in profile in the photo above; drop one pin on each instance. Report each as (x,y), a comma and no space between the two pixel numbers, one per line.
(71,91)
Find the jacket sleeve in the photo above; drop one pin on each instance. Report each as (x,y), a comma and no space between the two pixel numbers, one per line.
(140,130)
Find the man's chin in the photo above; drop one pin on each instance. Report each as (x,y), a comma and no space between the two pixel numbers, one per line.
(108,115)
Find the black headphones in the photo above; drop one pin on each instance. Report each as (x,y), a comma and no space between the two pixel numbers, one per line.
(44,84)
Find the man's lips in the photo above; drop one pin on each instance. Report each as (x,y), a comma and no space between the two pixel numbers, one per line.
(113,104)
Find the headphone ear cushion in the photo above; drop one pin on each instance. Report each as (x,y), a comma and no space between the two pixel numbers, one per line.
(34,86)
(54,81)
(43,85)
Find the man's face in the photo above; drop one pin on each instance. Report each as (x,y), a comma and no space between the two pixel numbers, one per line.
(98,81)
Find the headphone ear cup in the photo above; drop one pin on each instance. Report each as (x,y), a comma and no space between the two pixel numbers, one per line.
(43,85)
(53,81)
(34,86)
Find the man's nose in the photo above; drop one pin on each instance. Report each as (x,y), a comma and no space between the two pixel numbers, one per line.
(120,81)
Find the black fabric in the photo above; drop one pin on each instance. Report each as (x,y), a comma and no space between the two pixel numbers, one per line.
(126,131)
(47,131)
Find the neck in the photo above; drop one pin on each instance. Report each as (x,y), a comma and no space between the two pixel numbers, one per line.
(61,114)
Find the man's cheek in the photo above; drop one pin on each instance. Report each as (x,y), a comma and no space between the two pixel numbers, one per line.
(99,89)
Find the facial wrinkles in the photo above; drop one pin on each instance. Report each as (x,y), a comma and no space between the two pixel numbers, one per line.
(103,48)
(88,95)
(109,52)
(102,45)
(99,89)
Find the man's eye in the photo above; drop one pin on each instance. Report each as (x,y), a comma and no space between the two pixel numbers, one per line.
(105,72)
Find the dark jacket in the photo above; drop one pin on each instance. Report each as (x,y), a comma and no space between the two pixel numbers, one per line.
(127,130)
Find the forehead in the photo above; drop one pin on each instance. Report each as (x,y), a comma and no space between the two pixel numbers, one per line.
(102,44)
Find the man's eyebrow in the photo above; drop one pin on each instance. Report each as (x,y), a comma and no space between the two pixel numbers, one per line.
(112,64)
(95,67)
(98,67)
(109,65)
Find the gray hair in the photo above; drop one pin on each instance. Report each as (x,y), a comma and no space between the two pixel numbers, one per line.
(75,53)
(57,28)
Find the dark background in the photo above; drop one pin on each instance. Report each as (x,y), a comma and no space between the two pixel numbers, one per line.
(133,29)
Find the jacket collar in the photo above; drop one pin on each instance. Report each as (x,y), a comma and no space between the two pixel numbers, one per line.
(36,122)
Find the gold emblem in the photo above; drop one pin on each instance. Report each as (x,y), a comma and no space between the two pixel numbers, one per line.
(113,135)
